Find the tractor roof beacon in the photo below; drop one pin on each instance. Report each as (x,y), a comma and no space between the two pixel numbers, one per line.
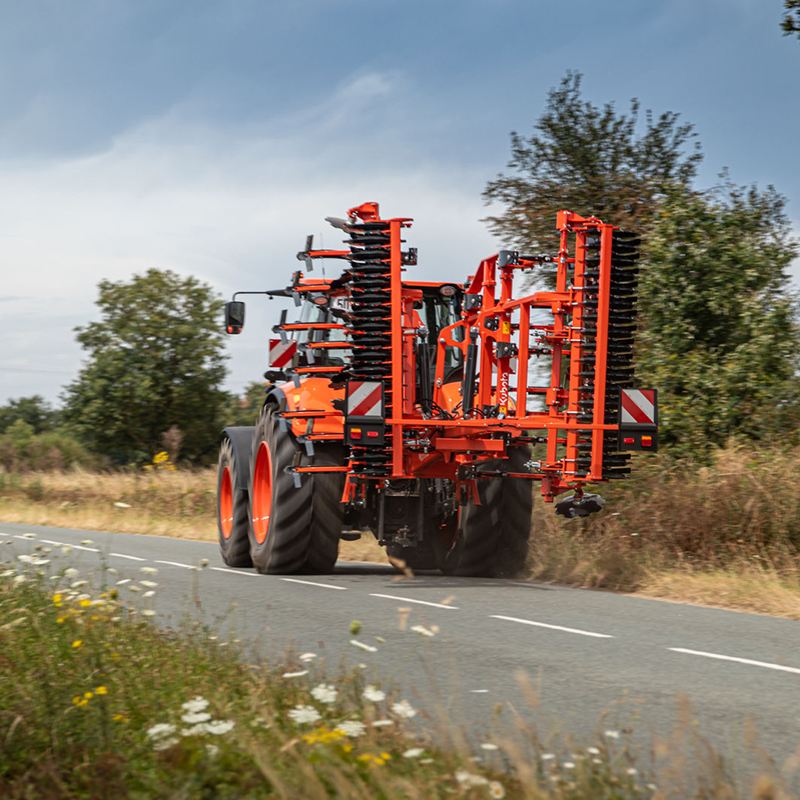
(407,408)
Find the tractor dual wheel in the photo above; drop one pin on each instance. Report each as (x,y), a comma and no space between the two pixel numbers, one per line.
(492,539)
(233,520)
(293,529)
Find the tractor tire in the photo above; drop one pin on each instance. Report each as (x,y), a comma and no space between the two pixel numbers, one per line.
(293,530)
(492,539)
(233,515)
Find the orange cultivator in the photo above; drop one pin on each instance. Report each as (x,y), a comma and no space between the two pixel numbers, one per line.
(409,408)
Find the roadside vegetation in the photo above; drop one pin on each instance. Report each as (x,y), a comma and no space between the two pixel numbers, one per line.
(725,532)
(91,703)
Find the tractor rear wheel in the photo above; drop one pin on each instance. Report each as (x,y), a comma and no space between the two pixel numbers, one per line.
(492,538)
(293,530)
(233,520)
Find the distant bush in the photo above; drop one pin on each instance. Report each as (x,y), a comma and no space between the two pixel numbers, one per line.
(23,450)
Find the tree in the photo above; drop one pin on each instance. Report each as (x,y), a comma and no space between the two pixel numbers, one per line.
(244,409)
(590,161)
(791,19)
(34,411)
(720,340)
(155,361)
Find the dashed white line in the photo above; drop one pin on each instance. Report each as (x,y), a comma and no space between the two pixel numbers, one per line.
(553,627)
(418,602)
(132,558)
(751,662)
(235,571)
(312,583)
(176,564)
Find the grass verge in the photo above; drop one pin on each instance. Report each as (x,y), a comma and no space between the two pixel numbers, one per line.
(91,702)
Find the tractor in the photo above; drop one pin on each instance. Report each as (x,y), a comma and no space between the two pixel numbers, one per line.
(409,411)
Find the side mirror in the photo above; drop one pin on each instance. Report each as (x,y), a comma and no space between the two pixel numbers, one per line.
(234,316)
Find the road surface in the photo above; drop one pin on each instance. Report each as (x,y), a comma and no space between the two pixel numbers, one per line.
(584,650)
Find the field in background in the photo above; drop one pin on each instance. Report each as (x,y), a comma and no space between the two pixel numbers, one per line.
(726,534)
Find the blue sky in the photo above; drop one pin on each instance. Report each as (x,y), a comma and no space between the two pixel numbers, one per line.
(211,137)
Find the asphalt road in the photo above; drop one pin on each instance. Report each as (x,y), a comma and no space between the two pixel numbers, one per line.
(584,651)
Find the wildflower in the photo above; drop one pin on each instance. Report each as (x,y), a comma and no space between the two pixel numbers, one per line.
(355,627)
(121,505)
(77,643)
(220,726)
(203,562)
(631,771)
(468,780)
(165,744)
(352,728)
(325,693)
(120,718)
(160,731)
(77,584)
(7,573)
(148,570)
(496,790)
(87,542)
(148,612)
(373,694)
(404,710)
(377,761)
(422,630)
(192,718)
(134,588)
(123,581)
(593,750)
(303,715)
(569,765)
(196,705)
(489,746)
(20,579)
(66,549)
(112,571)
(101,690)
(547,756)
(597,761)
(382,723)
(425,761)
(414,752)
(612,734)
(368,647)
(148,584)
(148,594)
(29,535)
(199,729)
(307,656)
(70,573)
(298,674)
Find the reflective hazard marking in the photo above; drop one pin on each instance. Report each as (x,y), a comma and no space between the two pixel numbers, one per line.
(365,399)
(280,353)
(638,406)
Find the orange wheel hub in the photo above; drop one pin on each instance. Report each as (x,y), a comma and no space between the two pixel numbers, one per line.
(262,492)
(226,503)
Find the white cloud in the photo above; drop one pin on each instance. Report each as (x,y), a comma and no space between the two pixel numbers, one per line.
(230,206)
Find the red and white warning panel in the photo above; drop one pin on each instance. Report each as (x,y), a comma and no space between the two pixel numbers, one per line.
(365,424)
(365,399)
(281,353)
(638,420)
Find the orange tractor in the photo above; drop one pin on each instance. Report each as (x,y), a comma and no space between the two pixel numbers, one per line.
(407,408)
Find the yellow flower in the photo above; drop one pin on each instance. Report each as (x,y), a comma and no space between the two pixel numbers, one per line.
(77,643)
(101,690)
(120,718)
(60,619)
(85,603)
(57,598)
(76,700)
(88,695)
(160,458)
(82,702)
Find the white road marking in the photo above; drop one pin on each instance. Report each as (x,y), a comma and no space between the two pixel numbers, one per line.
(553,627)
(411,600)
(312,583)
(235,571)
(132,558)
(176,564)
(765,664)
(50,541)
(81,547)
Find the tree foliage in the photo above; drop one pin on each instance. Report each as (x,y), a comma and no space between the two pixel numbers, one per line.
(592,161)
(791,19)
(244,409)
(155,361)
(720,341)
(34,411)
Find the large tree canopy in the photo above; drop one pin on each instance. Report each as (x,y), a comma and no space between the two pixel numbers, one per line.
(592,161)
(155,361)
(720,340)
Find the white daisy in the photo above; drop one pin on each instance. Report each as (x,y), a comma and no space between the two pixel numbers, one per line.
(160,731)
(220,726)
(304,715)
(496,790)
(196,705)
(148,570)
(352,728)
(414,752)
(373,694)
(193,717)
(404,710)
(325,693)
